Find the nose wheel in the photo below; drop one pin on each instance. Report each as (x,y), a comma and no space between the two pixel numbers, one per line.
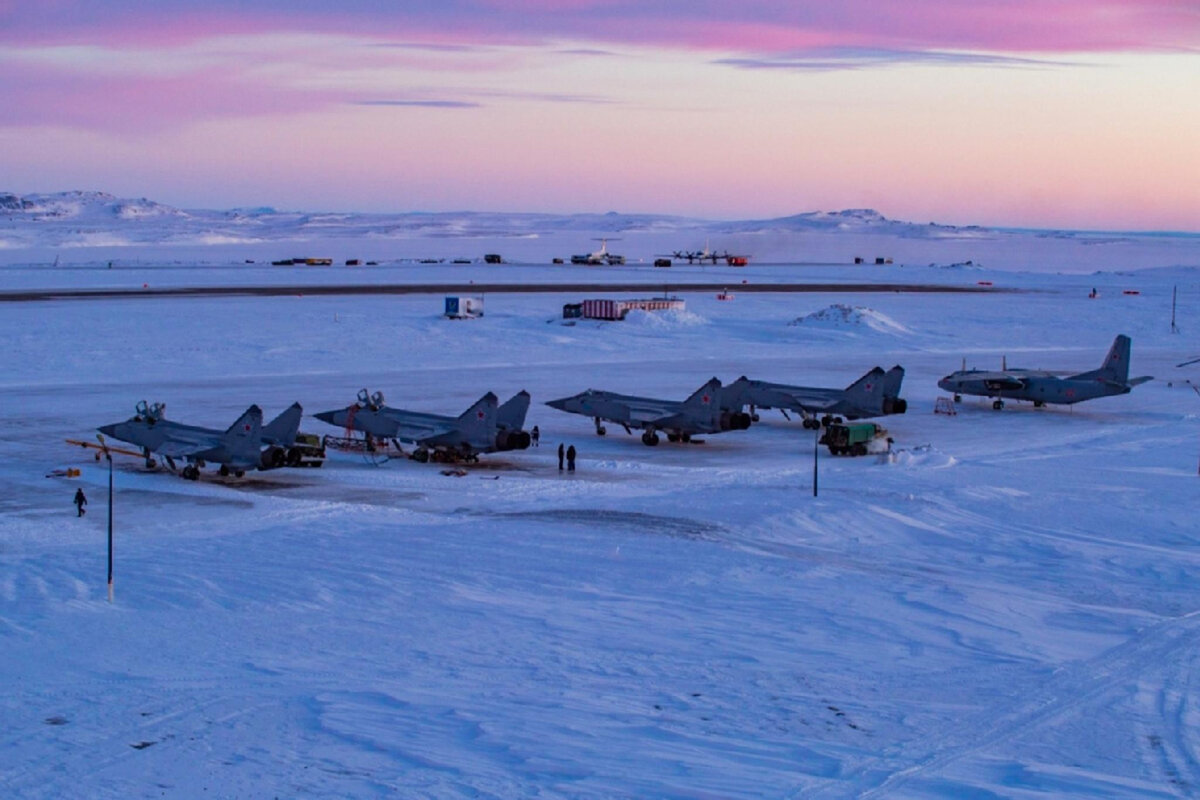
(997,404)
(650,438)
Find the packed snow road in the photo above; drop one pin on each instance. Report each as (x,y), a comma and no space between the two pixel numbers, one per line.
(1007,607)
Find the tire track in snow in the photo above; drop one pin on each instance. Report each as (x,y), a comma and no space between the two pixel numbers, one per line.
(1067,689)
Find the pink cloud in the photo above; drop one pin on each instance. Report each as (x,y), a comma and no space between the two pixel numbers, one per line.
(731,26)
(143,105)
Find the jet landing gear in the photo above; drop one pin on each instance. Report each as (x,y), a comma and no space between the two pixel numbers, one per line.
(600,429)
(810,424)
(650,438)
(679,437)
(190,472)
(998,404)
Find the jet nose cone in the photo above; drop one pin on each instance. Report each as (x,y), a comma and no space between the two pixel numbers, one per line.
(328,416)
(108,430)
(560,404)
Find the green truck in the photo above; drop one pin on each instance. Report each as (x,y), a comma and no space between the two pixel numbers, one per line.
(854,438)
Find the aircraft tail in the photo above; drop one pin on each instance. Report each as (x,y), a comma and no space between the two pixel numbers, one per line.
(734,396)
(283,429)
(511,415)
(478,423)
(707,396)
(705,404)
(868,391)
(510,419)
(1116,364)
(243,439)
(893,403)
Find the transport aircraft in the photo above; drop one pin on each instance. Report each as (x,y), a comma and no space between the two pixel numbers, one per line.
(1044,387)
(601,256)
(708,410)
(236,449)
(485,427)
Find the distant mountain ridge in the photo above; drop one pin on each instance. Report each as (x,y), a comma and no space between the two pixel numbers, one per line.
(80,217)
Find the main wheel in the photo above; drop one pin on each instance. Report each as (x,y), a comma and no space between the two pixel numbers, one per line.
(601,430)
(754,417)
(672,437)
(1039,403)
(958,398)
(997,404)
(649,438)
(421,456)
(223,471)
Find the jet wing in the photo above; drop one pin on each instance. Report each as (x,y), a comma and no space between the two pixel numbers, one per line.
(649,413)
(418,430)
(183,449)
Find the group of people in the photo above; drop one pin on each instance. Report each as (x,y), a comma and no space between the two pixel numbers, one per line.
(568,454)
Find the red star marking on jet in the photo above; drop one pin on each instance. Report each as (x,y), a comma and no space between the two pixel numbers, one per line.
(705,399)
(479,414)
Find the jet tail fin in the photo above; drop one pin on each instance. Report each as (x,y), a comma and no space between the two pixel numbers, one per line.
(706,396)
(1116,364)
(243,439)
(511,415)
(867,392)
(283,429)
(893,403)
(479,421)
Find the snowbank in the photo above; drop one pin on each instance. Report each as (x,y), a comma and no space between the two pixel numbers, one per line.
(841,317)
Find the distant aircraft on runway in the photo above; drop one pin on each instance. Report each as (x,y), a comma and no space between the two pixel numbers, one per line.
(236,449)
(1046,387)
(485,427)
(601,256)
(875,394)
(708,410)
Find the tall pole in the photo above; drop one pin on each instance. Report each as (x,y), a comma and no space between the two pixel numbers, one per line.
(816,449)
(1174,327)
(110,513)
(108,455)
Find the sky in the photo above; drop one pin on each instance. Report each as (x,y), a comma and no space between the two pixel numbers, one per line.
(1042,113)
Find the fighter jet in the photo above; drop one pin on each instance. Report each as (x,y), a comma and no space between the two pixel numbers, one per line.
(708,410)
(1046,387)
(237,449)
(874,394)
(485,427)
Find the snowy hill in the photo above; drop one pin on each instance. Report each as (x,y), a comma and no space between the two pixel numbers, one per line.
(59,219)
(95,227)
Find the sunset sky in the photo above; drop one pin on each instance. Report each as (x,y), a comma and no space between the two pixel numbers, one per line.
(1045,113)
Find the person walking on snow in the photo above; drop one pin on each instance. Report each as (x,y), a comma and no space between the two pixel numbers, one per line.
(535,435)
(80,502)
(560,456)
(571,458)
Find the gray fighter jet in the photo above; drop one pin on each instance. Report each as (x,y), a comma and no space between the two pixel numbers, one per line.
(708,410)
(873,395)
(1047,387)
(237,449)
(485,427)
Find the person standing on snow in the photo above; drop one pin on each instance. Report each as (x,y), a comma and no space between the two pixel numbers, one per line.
(560,456)
(571,458)
(80,502)
(535,435)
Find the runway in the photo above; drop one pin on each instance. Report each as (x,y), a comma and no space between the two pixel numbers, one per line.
(32,295)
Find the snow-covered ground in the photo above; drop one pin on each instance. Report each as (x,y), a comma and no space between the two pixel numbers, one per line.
(1007,608)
